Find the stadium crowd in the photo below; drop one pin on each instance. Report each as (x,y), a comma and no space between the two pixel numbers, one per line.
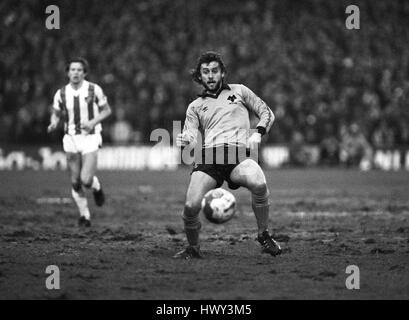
(325,83)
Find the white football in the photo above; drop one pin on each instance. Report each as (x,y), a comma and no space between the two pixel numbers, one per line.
(219,205)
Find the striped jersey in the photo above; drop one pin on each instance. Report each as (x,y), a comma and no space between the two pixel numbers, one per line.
(224,118)
(79,106)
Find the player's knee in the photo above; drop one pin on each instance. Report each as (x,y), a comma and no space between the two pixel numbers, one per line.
(191,217)
(192,208)
(259,188)
(86,181)
(76,185)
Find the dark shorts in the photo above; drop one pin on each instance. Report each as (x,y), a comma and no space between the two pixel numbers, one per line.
(220,165)
(219,172)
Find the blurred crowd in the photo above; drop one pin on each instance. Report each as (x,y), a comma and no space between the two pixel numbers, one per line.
(327,85)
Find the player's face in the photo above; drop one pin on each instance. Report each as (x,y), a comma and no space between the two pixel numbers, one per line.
(76,72)
(211,75)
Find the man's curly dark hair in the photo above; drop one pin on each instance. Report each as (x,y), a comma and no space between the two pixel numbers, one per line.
(207,57)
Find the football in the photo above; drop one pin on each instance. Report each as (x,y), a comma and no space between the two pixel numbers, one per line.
(219,205)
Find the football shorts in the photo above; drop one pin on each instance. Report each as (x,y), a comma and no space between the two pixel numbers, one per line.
(81,143)
(219,162)
(219,172)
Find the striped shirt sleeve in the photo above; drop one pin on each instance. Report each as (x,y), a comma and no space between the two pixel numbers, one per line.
(57,101)
(259,107)
(100,97)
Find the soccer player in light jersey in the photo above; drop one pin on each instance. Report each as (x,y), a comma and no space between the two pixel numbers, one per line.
(221,115)
(82,106)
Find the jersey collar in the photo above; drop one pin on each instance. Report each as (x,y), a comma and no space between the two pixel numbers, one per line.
(206,93)
(84,85)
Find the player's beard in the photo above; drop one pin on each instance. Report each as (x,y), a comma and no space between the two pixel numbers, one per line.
(216,87)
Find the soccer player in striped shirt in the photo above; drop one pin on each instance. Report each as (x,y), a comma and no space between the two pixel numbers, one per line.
(82,106)
(221,115)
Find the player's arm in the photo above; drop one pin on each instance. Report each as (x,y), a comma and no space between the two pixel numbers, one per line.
(190,129)
(263,112)
(104,110)
(260,108)
(55,113)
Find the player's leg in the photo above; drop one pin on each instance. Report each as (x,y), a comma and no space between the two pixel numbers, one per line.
(89,178)
(200,184)
(74,162)
(250,175)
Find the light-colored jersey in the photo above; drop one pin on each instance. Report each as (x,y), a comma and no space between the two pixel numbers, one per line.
(79,106)
(225,119)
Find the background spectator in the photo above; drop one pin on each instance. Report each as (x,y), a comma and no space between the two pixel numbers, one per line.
(121,129)
(309,68)
(329,147)
(355,149)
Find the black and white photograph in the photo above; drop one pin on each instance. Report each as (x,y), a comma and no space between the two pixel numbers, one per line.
(204,150)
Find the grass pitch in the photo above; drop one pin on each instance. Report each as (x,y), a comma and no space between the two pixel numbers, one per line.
(324,219)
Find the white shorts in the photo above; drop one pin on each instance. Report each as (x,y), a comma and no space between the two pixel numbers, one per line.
(80,143)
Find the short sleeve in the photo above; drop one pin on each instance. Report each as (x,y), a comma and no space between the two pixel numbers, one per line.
(57,101)
(101,98)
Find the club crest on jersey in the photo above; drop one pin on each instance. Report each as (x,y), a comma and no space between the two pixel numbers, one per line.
(88,99)
(232,98)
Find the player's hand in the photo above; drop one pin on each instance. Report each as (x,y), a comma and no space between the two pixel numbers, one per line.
(52,126)
(87,126)
(254,140)
(181,141)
